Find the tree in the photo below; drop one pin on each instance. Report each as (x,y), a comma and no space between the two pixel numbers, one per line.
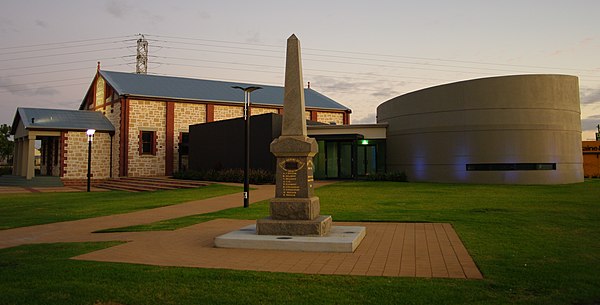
(6,143)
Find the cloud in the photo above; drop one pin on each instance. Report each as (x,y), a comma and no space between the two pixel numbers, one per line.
(582,44)
(370,118)
(203,15)
(590,123)
(7,26)
(386,93)
(341,84)
(381,90)
(44,91)
(156,19)
(7,84)
(117,8)
(69,104)
(41,23)
(590,96)
(24,90)
(254,37)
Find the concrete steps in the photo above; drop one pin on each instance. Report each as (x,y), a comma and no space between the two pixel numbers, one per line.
(148,184)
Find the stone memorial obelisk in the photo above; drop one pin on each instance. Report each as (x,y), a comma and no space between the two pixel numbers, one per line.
(295,210)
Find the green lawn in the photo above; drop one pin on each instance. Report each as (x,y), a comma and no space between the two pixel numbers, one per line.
(533,244)
(19,210)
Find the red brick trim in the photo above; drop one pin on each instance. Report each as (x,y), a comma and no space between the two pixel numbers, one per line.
(346,118)
(124,139)
(313,115)
(94,86)
(108,91)
(169,138)
(155,143)
(141,142)
(210,113)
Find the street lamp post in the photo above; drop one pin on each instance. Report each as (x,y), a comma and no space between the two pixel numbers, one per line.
(90,134)
(247,91)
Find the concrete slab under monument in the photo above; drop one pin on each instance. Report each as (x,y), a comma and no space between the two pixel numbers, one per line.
(318,226)
(343,239)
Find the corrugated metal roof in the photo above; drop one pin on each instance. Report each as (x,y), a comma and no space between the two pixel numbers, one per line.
(59,119)
(206,90)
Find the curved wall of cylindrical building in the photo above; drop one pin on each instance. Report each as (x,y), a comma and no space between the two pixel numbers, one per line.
(523,129)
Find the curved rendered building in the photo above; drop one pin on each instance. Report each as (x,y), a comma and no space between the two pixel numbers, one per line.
(523,129)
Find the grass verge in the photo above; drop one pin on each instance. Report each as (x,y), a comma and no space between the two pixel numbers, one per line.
(19,210)
(533,244)
(43,274)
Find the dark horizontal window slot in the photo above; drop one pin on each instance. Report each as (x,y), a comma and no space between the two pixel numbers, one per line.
(511,166)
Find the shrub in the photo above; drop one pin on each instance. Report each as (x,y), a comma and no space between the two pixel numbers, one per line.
(391,176)
(256,176)
(5,170)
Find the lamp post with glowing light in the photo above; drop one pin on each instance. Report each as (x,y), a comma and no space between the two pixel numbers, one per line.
(247,91)
(90,134)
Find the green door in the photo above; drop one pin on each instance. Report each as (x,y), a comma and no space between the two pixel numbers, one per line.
(345,160)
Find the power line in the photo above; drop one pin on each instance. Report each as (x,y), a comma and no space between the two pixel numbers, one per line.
(67,62)
(217,46)
(376,54)
(372,60)
(279,67)
(452,60)
(57,71)
(62,42)
(218,41)
(62,54)
(63,47)
(38,88)
(478,70)
(44,82)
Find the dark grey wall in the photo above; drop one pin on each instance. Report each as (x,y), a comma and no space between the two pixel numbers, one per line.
(220,145)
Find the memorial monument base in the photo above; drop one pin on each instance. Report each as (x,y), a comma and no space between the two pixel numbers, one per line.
(340,239)
(295,208)
(319,226)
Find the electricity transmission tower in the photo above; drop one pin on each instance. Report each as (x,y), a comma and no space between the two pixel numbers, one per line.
(141,65)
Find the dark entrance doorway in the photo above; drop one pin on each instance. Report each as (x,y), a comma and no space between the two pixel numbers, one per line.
(348,157)
(49,156)
(366,160)
(337,160)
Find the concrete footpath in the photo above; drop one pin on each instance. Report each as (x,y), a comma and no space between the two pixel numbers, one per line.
(389,249)
(81,230)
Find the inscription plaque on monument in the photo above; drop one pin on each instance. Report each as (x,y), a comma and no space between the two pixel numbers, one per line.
(290,168)
(295,209)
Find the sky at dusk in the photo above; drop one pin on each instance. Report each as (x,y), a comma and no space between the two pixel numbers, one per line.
(359,53)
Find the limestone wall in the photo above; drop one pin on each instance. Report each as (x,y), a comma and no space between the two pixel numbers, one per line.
(113,114)
(186,114)
(146,116)
(100,91)
(328,117)
(228,112)
(262,110)
(76,156)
